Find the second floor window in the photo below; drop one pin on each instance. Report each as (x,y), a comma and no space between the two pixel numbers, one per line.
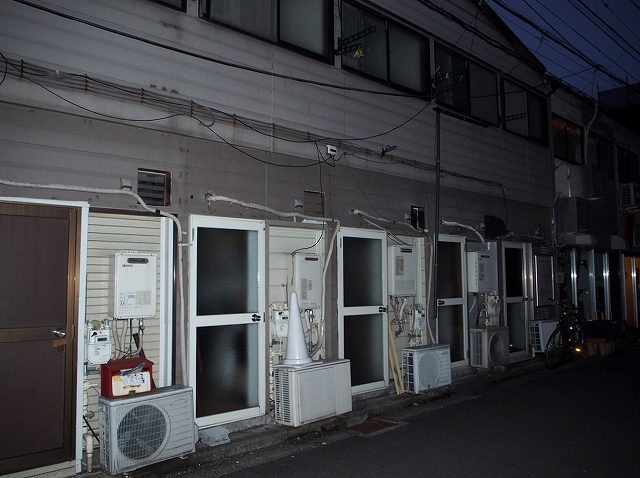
(302,24)
(384,50)
(628,167)
(567,141)
(466,86)
(525,113)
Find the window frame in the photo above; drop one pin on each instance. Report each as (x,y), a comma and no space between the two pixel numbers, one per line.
(422,73)
(596,144)
(170,4)
(466,104)
(630,175)
(526,116)
(205,12)
(566,154)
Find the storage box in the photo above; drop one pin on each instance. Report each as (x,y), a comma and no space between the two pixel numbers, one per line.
(115,382)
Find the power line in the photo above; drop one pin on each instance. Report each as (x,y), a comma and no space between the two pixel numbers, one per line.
(606,24)
(571,49)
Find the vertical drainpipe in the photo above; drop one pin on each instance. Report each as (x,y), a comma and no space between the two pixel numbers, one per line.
(436,226)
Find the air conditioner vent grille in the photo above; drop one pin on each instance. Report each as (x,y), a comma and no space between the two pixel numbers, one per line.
(146,428)
(489,347)
(426,367)
(629,195)
(312,392)
(141,432)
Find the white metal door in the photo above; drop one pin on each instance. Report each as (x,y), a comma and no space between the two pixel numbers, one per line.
(362,312)
(226,326)
(451,296)
(517,290)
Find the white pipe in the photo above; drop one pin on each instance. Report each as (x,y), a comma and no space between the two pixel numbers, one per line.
(429,292)
(449,223)
(182,343)
(88,437)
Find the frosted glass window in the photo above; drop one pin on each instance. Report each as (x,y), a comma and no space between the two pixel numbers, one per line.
(226,368)
(449,270)
(451,329)
(257,17)
(362,271)
(227,277)
(517,332)
(307,24)
(364,346)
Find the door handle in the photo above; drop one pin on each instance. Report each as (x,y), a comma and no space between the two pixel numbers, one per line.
(256,318)
(60,333)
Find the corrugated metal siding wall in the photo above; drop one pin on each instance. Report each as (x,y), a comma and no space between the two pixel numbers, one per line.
(283,242)
(323,111)
(109,234)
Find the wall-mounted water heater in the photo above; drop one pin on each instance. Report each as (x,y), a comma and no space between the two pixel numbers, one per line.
(482,271)
(403,271)
(307,280)
(134,286)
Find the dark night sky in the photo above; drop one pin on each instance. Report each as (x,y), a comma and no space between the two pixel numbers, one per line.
(604,32)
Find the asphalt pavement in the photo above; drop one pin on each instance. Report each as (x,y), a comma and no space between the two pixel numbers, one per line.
(581,420)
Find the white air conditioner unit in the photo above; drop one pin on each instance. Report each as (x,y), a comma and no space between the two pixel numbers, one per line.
(426,367)
(629,195)
(312,392)
(539,332)
(143,429)
(489,347)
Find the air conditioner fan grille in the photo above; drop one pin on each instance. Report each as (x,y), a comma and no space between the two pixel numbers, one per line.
(141,432)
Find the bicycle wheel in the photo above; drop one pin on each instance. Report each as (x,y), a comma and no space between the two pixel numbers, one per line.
(556,349)
(576,341)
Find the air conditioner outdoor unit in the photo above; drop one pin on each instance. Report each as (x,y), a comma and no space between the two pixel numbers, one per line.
(143,429)
(312,392)
(629,195)
(539,332)
(489,347)
(426,367)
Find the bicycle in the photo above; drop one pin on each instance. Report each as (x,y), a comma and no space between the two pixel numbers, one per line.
(567,340)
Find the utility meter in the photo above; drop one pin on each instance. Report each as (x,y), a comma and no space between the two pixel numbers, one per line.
(98,345)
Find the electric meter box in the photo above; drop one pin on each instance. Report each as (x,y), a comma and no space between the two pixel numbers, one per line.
(482,271)
(403,271)
(134,286)
(307,280)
